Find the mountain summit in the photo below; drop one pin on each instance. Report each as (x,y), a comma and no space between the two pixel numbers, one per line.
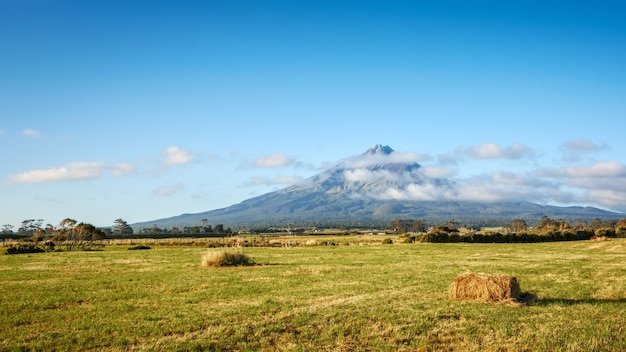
(379,173)
(379,148)
(376,186)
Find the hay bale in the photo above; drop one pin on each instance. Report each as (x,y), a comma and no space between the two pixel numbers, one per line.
(485,288)
(224,258)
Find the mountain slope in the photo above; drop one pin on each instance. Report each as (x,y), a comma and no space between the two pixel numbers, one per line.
(378,185)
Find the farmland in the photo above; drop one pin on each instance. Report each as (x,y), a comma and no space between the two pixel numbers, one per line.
(356,295)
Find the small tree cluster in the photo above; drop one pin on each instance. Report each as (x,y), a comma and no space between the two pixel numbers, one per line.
(202,230)
(69,235)
(405,226)
(77,236)
(121,227)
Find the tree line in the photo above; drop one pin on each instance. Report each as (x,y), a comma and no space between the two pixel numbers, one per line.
(545,230)
(69,234)
(204,229)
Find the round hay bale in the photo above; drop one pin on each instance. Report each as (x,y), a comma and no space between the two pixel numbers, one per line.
(485,288)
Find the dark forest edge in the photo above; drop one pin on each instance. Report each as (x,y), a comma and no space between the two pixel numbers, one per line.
(71,235)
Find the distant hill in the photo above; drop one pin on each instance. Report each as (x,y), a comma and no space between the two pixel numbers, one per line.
(365,189)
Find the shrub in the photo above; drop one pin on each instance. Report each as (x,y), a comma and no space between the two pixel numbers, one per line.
(49,246)
(605,232)
(24,248)
(224,258)
(138,247)
(387,241)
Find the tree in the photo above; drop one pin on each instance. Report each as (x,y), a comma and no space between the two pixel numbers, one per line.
(88,232)
(29,226)
(78,236)
(595,224)
(547,224)
(579,225)
(452,224)
(620,227)
(64,231)
(518,225)
(404,226)
(67,223)
(121,227)
(7,229)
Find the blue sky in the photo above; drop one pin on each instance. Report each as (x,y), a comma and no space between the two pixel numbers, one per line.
(150,109)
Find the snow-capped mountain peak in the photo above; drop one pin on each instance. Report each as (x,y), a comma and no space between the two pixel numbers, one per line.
(379,173)
(379,149)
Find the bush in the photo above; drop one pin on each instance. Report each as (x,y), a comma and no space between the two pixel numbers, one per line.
(223,258)
(139,247)
(387,241)
(24,248)
(605,232)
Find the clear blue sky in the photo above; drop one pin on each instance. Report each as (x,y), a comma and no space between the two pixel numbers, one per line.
(148,109)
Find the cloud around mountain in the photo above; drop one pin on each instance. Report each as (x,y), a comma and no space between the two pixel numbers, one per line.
(389,175)
(382,184)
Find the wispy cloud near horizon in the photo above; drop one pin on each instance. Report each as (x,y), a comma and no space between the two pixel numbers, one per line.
(174,155)
(275,181)
(68,172)
(582,145)
(273,160)
(169,190)
(31,133)
(574,150)
(123,168)
(494,151)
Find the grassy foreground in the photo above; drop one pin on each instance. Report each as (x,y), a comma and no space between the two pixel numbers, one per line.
(342,298)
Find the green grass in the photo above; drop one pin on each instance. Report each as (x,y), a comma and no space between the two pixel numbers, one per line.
(340,298)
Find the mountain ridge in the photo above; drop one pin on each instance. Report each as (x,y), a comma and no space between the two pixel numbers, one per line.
(376,186)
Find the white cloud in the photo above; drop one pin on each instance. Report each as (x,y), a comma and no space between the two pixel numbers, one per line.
(281,180)
(420,185)
(174,155)
(494,151)
(68,172)
(364,175)
(273,160)
(617,184)
(481,193)
(496,188)
(368,160)
(415,191)
(372,176)
(168,191)
(31,133)
(573,150)
(581,145)
(598,169)
(602,183)
(122,168)
(608,198)
(436,171)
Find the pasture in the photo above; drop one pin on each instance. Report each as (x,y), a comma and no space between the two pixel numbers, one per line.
(360,295)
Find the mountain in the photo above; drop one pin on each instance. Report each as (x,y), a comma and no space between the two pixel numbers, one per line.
(377,186)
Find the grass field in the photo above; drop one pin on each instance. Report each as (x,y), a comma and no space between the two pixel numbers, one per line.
(367,297)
